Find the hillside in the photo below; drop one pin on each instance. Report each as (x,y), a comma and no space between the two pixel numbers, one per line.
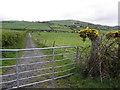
(55,25)
(82,25)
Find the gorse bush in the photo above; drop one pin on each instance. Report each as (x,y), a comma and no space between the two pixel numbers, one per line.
(104,55)
(114,52)
(93,62)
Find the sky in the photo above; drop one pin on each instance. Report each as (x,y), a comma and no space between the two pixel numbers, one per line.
(104,12)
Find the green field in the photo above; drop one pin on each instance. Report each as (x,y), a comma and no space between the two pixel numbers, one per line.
(61,39)
(63,22)
(60,28)
(25,25)
(71,39)
(59,25)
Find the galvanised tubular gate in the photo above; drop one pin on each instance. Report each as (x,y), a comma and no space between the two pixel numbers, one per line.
(53,67)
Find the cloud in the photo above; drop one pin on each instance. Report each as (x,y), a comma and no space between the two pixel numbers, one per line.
(98,11)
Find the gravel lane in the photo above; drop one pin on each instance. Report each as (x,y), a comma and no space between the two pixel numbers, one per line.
(29,44)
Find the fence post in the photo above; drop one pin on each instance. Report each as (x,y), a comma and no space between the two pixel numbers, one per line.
(53,68)
(17,71)
(54,44)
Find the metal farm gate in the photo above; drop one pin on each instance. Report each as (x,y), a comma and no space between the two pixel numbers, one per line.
(52,73)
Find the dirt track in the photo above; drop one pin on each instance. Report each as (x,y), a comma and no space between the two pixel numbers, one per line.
(29,44)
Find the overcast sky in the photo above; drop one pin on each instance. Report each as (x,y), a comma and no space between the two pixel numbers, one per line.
(103,12)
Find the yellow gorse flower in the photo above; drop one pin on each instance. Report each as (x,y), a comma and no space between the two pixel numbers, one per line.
(88,33)
(87,28)
(113,33)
